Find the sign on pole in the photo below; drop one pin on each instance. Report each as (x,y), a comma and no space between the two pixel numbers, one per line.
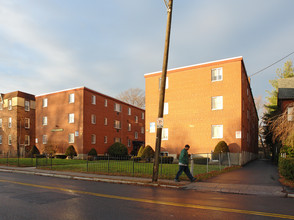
(160,123)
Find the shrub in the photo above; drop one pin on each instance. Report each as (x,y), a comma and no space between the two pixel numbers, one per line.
(289,151)
(166,159)
(117,149)
(140,152)
(286,168)
(71,152)
(92,152)
(147,153)
(60,156)
(220,148)
(201,160)
(34,151)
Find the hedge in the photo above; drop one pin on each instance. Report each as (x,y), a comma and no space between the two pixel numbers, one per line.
(286,168)
(201,160)
(166,159)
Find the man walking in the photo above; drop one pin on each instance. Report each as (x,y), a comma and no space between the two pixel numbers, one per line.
(183,165)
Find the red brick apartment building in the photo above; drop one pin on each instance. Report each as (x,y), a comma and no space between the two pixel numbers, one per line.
(204,104)
(86,119)
(17,123)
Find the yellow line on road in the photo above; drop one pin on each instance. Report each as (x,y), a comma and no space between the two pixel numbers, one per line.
(239,211)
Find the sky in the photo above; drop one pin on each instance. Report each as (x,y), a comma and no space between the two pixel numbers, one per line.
(108,46)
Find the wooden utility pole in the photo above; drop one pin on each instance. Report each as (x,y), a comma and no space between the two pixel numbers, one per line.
(162,91)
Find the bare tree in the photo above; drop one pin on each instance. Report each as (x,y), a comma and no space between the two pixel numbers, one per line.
(133,96)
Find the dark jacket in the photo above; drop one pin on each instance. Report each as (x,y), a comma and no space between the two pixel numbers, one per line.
(184,157)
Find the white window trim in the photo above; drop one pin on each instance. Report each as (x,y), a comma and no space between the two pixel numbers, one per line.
(71,138)
(129,126)
(9,122)
(136,119)
(105,121)
(71,118)
(117,124)
(45,120)
(166,82)
(105,139)
(93,119)
(45,102)
(142,115)
(44,139)
(9,104)
(93,139)
(129,111)
(27,106)
(214,98)
(28,123)
(9,139)
(164,134)
(222,131)
(93,100)
(1,122)
(105,102)
(165,108)
(28,143)
(152,127)
(221,70)
(0,139)
(71,98)
(136,135)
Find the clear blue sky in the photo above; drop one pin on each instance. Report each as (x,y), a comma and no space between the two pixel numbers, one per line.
(108,46)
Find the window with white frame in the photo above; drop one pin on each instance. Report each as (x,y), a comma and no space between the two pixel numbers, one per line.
(129,143)
(117,124)
(136,119)
(27,106)
(27,123)
(71,98)
(152,127)
(44,139)
(93,139)
(105,102)
(142,115)
(117,107)
(136,135)
(164,135)
(45,103)
(105,139)
(71,138)
(9,139)
(0,122)
(0,139)
(142,130)
(217,74)
(9,122)
(27,140)
(129,126)
(9,104)
(117,140)
(93,99)
(45,120)
(166,82)
(71,118)
(165,108)
(93,119)
(129,111)
(217,103)
(105,121)
(217,131)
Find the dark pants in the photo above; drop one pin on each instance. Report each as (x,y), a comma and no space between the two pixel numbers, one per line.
(186,170)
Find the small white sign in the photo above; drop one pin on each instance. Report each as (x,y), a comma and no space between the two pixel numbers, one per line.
(160,123)
(238,134)
(36,140)
(76,133)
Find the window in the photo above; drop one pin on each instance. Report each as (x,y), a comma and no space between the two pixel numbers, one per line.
(142,115)
(45,121)
(71,138)
(71,118)
(136,119)
(105,121)
(136,135)
(129,111)
(164,135)
(129,143)
(0,122)
(45,139)
(117,124)
(117,107)
(142,130)
(105,102)
(9,140)
(9,104)
(93,139)
(0,139)
(1,105)
(217,131)
(217,74)
(105,139)
(93,119)
(27,123)
(117,140)
(9,122)
(93,100)
(165,109)
(27,140)
(129,126)
(45,103)
(166,82)
(152,127)
(71,98)
(27,106)
(217,103)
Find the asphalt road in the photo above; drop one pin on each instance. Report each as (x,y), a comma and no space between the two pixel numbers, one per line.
(35,197)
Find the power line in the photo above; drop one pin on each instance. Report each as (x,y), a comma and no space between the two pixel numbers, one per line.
(271,65)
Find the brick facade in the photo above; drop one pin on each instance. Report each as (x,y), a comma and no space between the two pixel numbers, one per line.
(191,118)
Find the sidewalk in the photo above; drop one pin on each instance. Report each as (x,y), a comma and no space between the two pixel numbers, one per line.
(256,178)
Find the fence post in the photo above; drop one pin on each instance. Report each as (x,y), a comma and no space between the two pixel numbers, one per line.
(51,161)
(87,164)
(133,165)
(219,162)
(192,164)
(7,159)
(36,161)
(161,166)
(108,165)
(229,159)
(207,164)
